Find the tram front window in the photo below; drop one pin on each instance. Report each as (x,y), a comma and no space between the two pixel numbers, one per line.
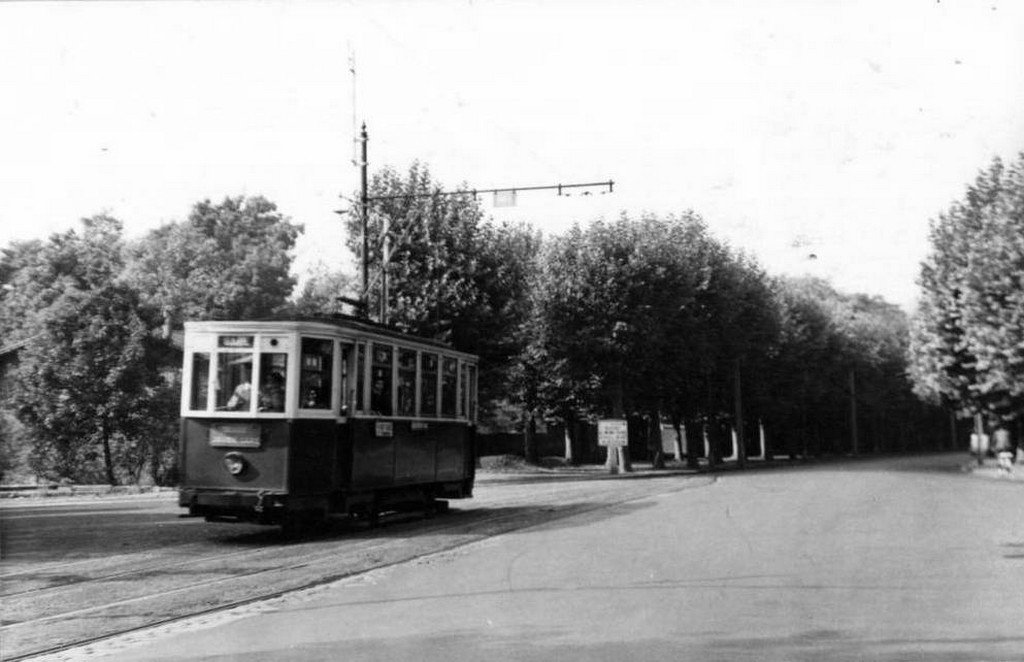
(234,381)
(200,380)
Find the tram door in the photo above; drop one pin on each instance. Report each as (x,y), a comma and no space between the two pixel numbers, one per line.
(317,433)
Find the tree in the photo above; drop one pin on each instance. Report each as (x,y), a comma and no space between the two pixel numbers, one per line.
(968,334)
(34,274)
(88,372)
(452,275)
(320,292)
(624,312)
(227,261)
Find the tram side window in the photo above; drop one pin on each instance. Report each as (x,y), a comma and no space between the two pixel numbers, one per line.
(428,385)
(380,380)
(317,367)
(406,382)
(346,384)
(463,391)
(234,381)
(360,376)
(449,377)
(471,393)
(200,380)
(273,379)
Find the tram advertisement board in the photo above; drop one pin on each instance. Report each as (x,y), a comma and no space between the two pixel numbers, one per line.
(612,432)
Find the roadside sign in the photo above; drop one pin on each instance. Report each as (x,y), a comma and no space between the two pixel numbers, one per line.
(612,432)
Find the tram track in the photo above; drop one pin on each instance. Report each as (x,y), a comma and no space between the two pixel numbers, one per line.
(34,634)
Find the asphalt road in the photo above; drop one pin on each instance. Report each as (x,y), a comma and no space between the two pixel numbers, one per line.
(81,570)
(898,559)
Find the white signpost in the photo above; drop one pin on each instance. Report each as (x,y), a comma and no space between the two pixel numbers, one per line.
(613,433)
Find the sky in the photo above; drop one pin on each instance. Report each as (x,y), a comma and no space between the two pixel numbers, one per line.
(819,137)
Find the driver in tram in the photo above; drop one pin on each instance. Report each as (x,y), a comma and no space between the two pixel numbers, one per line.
(239,400)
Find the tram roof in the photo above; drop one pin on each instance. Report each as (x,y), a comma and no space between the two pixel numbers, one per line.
(344,322)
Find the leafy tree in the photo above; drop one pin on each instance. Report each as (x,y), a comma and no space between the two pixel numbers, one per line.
(320,292)
(34,274)
(625,314)
(13,447)
(452,275)
(88,371)
(968,335)
(227,261)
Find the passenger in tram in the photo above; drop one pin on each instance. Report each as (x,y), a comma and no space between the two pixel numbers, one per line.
(272,393)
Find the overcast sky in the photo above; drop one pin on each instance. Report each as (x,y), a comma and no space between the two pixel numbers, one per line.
(796,128)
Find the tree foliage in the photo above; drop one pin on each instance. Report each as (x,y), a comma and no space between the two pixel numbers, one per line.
(968,334)
(226,261)
(95,385)
(319,292)
(452,274)
(87,375)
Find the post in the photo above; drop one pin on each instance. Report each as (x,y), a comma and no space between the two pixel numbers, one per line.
(854,443)
(979,431)
(741,444)
(364,214)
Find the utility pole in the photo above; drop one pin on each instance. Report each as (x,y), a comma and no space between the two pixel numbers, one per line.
(364,216)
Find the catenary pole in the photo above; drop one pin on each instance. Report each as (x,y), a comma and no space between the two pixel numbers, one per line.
(364,214)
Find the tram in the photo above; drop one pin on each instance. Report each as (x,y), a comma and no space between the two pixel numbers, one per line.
(289,422)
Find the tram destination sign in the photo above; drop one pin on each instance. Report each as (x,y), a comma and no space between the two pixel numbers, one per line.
(235,435)
(612,432)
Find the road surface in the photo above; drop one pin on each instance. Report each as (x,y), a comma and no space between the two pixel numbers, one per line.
(897,559)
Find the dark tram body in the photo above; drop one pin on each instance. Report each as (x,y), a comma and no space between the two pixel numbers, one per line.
(289,422)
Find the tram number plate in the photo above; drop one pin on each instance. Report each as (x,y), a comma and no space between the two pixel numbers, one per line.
(235,435)
(612,432)
(384,429)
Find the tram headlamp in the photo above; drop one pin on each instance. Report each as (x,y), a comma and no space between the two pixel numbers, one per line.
(234,463)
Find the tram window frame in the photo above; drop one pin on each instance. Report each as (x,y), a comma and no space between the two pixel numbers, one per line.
(405,388)
(384,372)
(449,387)
(362,391)
(199,390)
(422,374)
(224,394)
(347,382)
(463,403)
(267,368)
(471,396)
(325,371)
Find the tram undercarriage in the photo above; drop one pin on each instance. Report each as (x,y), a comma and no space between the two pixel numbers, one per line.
(288,511)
